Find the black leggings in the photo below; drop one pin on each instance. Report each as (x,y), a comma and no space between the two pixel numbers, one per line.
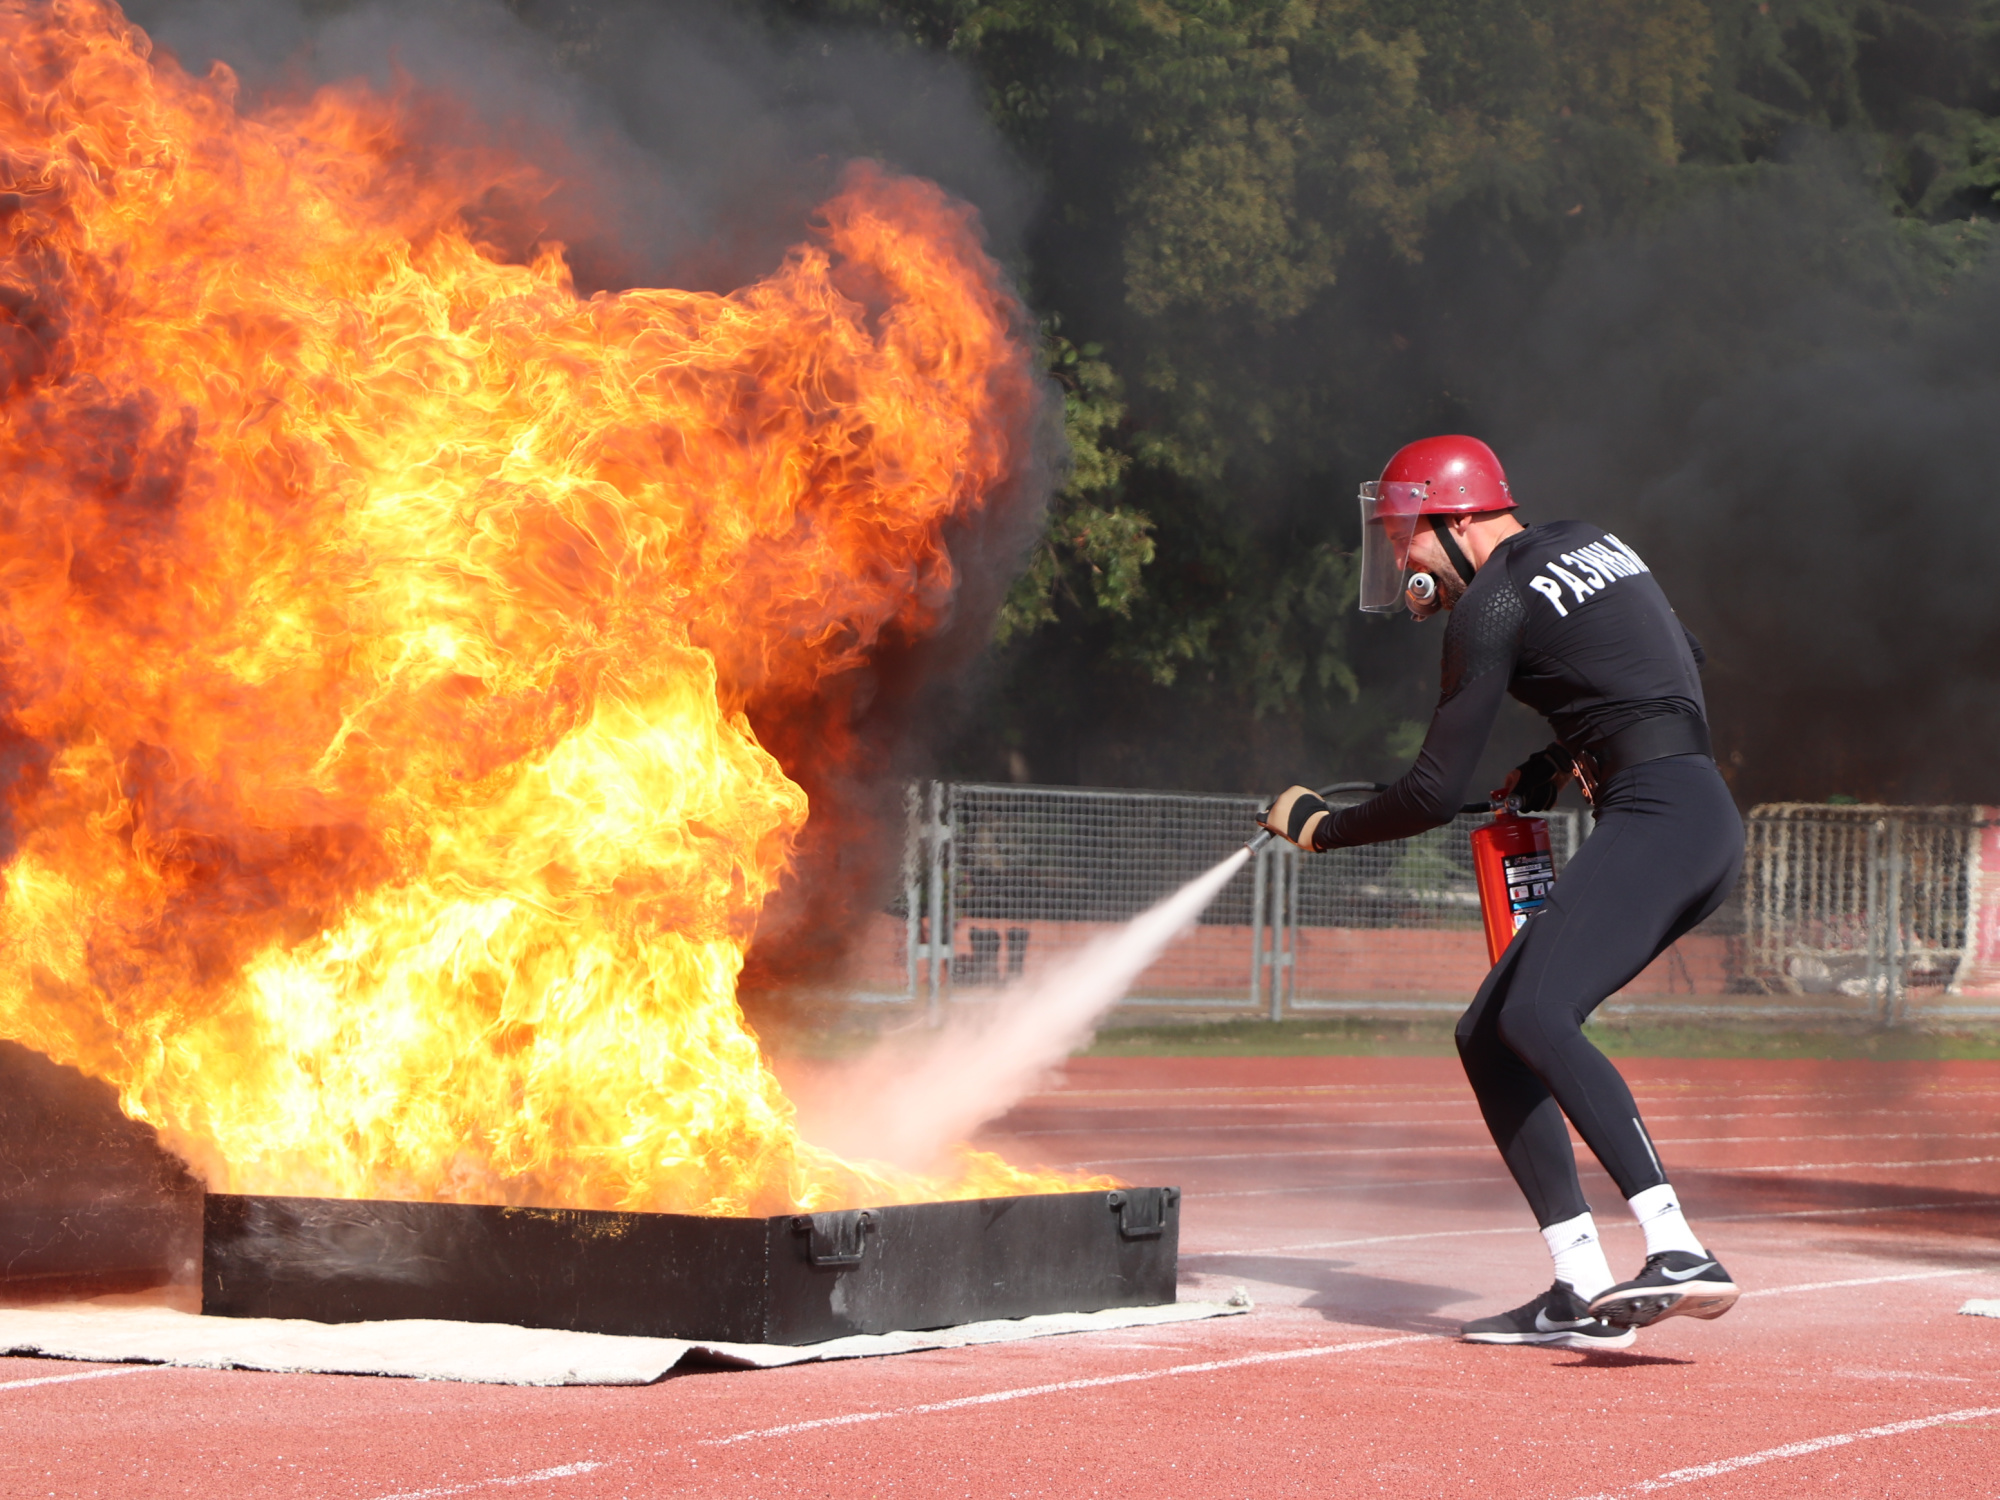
(1666,850)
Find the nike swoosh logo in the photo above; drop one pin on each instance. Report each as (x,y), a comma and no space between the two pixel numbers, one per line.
(1691,1271)
(1543,1325)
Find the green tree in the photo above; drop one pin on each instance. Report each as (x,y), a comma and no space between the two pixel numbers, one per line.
(1282,232)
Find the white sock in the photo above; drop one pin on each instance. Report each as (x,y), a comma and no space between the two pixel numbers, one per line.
(1578,1256)
(1659,1214)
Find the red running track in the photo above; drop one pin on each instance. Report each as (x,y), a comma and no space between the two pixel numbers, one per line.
(1360,1204)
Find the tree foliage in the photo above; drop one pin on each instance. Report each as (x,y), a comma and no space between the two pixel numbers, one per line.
(1284,233)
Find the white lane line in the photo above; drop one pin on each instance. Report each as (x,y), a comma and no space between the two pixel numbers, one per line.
(1146,1161)
(1357,1187)
(1450,1234)
(1322,1091)
(1848,1166)
(1490,1180)
(1791,1114)
(1285,1091)
(1795,1450)
(1018,1393)
(1334,1092)
(21,1385)
(1103,1115)
(1219,1129)
(1877,1208)
(1765,1291)
(1374,1239)
(1691,1140)
(501,1481)
(1828,1286)
(989,1398)
(1808,1093)
(1858,1135)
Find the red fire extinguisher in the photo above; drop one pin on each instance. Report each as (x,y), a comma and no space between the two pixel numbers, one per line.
(1516,870)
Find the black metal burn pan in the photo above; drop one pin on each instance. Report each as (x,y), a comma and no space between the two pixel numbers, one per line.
(792,1279)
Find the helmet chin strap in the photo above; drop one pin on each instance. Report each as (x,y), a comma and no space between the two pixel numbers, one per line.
(1460,563)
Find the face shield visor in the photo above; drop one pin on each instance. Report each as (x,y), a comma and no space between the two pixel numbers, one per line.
(1389,512)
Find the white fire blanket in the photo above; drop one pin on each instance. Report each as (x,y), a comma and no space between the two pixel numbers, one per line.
(117,1331)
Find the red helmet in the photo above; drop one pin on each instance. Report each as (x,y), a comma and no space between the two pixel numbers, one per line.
(1459,475)
(1439,476)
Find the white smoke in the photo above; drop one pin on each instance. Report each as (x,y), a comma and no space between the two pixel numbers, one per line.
(917,1093)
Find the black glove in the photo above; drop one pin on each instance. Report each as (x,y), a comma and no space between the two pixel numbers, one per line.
(1540,777)
(1298,814)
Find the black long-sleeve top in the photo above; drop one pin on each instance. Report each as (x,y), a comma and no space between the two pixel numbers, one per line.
(1569,620)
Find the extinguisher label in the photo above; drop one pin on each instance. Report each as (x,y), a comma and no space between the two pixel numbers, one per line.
(1530,878)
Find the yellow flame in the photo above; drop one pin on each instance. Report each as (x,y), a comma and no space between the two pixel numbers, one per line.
(378,622)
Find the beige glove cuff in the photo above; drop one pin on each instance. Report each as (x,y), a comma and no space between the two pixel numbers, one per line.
(1296,816)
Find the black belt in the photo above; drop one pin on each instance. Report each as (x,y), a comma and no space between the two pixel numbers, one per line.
(1635,744)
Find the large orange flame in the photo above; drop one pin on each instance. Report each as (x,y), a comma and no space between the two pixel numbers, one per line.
(378,620)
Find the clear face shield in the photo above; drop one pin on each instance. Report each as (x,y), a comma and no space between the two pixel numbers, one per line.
(1389,514)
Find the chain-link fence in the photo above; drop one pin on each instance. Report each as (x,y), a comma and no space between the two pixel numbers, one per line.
(1392,925)
(1873,913)
(1019,876)
(1884,914)
(1872,910)
(1013,878)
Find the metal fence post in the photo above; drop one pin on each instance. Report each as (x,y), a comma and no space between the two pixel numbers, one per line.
(1871,978)
(1257,927)
(913,854)
(1892,937)
(937,945)
(1291,925)
(947,862)
(1281,884)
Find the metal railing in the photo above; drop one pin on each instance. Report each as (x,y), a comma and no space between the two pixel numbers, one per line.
(1871,913)
(1017,876)
(1395,923)
(1872,903)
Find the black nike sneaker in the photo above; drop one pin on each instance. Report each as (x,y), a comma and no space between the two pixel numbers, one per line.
(1557,1317)
(1674,1284)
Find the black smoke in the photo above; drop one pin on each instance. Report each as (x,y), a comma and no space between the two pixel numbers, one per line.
(1789,401)
(688,143)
